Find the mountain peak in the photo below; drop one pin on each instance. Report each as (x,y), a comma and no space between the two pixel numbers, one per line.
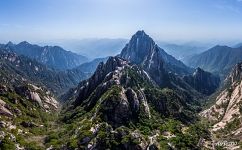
(142,50)
(138,48)
(24,43)
(141,33)
(10,43)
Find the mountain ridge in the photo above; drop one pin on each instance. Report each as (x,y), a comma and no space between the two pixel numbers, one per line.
(52,56)
(219,60)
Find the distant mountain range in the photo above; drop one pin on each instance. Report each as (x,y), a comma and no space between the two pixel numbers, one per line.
(238,45)
(52,56)
(90,67)
(103,47)
(37,73)
(141,98)
(93,47)
(182,51)
(219,59)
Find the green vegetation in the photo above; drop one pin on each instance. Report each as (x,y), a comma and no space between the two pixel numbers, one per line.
(7,144)
(32,122)
(231,126)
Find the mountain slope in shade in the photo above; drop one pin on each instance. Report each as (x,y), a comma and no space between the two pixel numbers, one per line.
(226,113)
(52,56)
(56,81)
(203,81)
(219,59)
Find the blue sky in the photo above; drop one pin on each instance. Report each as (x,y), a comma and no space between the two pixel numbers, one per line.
(168,20)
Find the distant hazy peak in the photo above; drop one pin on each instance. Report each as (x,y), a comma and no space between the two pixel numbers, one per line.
(24,43)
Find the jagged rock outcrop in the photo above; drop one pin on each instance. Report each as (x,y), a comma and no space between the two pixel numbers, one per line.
(120,93)
(4,109)
(143,51)
(132,86)
(110,88)
(203,81)
(43,97)
(161,67)
(227,111)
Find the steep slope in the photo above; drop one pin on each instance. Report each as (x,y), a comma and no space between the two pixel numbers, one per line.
(219,59)
(21,66)
(118,72)
(203,81)
(52,56)
(123,105)
(227,111)
(164,69)
(142,50)
(27,110)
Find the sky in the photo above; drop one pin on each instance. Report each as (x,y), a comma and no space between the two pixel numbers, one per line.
(168,20)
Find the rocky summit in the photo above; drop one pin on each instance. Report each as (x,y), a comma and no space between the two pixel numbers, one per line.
(142,50)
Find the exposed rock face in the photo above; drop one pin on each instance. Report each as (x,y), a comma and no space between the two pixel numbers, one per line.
(121,92)
(4,110)
(118,94)
(111,89)
(203,81)
(142,50)
(132,84)
(161,67)
(228,107)
(39,95)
